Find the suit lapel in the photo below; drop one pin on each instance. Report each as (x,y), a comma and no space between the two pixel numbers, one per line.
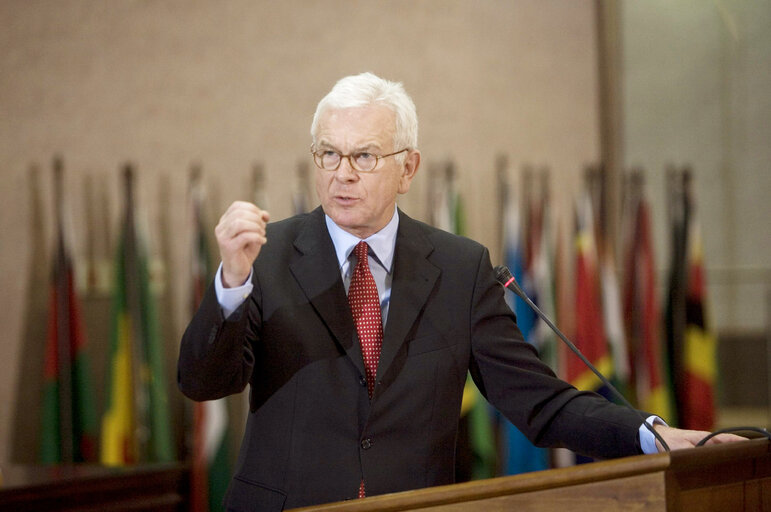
(413,279)
(318,274)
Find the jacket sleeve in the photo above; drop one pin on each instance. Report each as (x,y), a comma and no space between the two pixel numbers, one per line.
(215,356)
(548,411)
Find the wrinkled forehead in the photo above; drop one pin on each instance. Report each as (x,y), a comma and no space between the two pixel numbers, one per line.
(356,127)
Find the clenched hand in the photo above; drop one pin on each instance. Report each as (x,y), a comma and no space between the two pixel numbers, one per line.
(240,235)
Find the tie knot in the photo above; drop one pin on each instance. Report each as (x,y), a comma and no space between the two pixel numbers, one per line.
(360,251)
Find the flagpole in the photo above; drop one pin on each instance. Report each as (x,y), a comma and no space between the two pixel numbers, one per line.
(63,327)
(136,326)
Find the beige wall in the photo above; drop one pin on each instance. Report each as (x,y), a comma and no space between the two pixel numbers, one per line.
(696,81)
(166,83)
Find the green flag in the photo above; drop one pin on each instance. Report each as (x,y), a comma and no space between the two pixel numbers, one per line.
(135,424)
(68,414)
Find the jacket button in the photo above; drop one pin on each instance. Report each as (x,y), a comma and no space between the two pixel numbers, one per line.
(362,381)
(366,444)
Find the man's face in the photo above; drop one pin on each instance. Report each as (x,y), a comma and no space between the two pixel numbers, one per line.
(362,203)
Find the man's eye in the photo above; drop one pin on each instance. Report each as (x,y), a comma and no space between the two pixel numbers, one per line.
(329,152)
(364,156)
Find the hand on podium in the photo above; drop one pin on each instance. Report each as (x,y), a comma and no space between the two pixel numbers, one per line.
(678,439)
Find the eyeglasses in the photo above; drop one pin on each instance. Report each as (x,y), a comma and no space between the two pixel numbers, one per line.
(362,161)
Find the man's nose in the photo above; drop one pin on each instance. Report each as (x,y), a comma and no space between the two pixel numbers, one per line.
(345,171)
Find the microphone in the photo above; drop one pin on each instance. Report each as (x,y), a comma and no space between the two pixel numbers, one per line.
(503,275)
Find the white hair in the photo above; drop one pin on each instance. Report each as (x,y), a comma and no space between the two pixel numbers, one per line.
(368,89)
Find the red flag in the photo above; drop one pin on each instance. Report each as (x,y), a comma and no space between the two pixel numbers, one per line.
(590,332)
(641,316)
(68,414)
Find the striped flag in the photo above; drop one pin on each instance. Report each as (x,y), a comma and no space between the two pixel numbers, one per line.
(68,414)
(590,335)
(135,424)
(565,315)
(475,450)
(697,393)
(519,454)
(474,407)
(541,270)
(563,293)
(641,314)
(211,467)
(614,322)
(445,202)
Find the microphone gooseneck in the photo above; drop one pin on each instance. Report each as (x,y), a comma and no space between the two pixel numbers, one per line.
(503,275)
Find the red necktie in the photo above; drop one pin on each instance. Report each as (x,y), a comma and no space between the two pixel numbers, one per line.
(365,307)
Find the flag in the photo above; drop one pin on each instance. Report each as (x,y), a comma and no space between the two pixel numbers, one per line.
(480,428)
(697,392)
(565,316)
(614,323)
(478,447)
(475,448)
(68,414)
(135,424)
(211,467)
(611,294)
(563,294)
(519,454)
(641,314)
(514,256)
(444,200)
(590,337)
(541,269)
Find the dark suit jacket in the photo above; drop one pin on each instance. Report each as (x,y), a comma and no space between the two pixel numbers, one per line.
(313,434)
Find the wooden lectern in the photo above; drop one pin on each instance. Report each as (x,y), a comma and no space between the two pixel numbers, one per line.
(717,478)
(729,477)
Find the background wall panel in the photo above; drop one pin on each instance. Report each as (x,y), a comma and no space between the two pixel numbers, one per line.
(167,83)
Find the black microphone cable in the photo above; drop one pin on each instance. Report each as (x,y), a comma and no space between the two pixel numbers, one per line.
(763,433)
(503,275)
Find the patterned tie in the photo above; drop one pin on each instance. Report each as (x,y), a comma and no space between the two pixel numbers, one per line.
(365,307)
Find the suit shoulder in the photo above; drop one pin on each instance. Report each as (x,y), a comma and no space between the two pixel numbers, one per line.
(442,238)
(446,249)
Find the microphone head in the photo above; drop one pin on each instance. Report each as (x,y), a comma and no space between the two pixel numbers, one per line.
(503,274)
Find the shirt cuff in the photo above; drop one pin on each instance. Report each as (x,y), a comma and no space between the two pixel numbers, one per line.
(647,439)
(231,298)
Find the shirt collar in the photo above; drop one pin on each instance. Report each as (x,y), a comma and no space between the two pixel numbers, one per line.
(381,243)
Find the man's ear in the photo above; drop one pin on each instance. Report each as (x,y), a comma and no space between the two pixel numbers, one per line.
(409,170)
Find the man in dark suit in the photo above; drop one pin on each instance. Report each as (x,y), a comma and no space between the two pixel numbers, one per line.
(344,403)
